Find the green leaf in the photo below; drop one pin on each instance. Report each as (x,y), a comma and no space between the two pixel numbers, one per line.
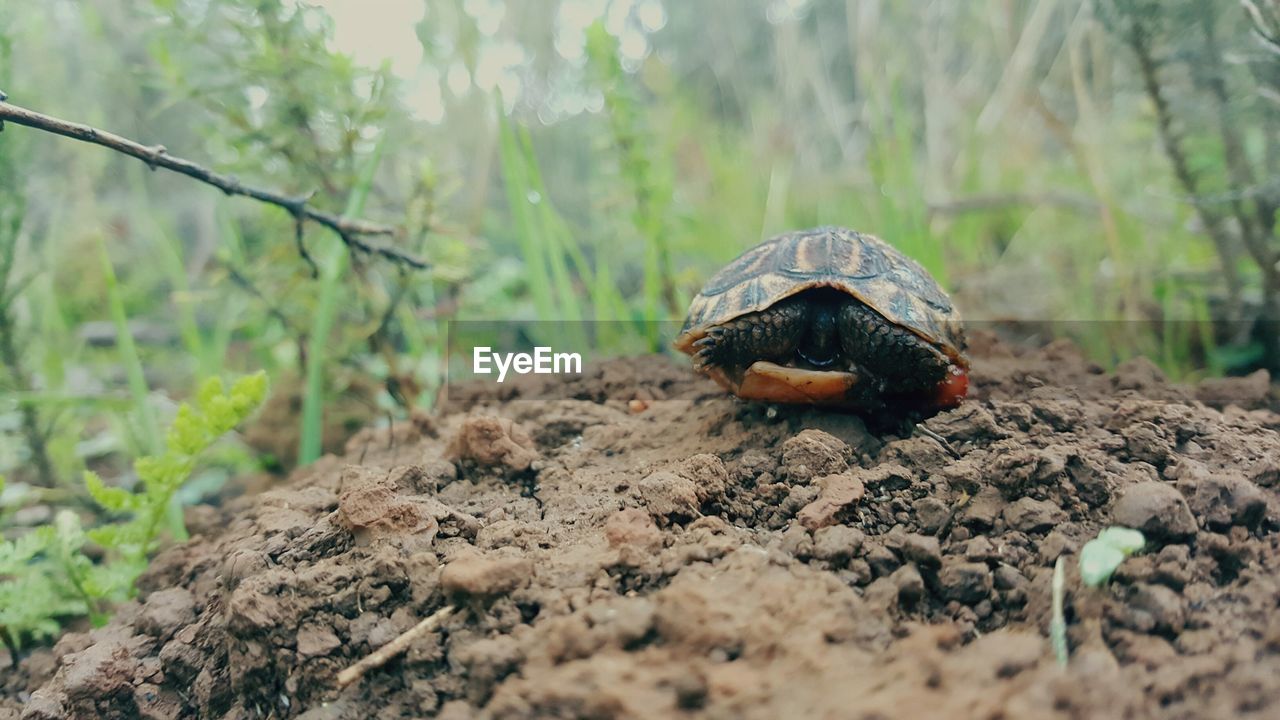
(113,499)
(1100,557)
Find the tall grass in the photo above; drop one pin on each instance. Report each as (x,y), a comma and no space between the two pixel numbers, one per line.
(333,271)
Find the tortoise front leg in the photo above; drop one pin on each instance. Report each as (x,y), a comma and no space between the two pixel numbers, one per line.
(771,334)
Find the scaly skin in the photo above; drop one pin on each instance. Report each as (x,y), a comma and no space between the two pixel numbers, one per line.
(805,330)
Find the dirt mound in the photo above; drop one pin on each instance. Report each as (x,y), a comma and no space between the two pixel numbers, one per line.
(648,547)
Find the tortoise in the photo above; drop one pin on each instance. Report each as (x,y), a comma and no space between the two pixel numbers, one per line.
(831,317)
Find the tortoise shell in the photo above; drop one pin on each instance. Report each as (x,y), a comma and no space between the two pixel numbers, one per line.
(862,265)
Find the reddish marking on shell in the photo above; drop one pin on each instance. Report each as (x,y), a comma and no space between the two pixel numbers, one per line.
(952,389)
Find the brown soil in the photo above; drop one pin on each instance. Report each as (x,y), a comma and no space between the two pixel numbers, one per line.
(653,548)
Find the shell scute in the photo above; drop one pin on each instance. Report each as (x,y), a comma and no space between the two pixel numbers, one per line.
(861,265)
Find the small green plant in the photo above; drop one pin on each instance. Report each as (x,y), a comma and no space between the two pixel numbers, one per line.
(1100,557)
(1058,622)
(45,575)
(34,591)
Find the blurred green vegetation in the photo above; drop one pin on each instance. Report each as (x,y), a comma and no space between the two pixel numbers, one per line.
(1106,170)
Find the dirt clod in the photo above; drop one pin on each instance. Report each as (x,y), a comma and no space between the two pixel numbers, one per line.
(1248,392)
(965,582)
(477,576)
(165,611)
(668,495)
(837,494)
(814,453)
(493,443)
(1032,516)
(1226,500)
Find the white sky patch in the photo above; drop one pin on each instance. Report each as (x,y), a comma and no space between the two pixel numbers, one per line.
(373,33)
(487,14)
(497,68)
(458,79)
(423,96)
(572,20)
(652,16)
(615,21)
(376,36)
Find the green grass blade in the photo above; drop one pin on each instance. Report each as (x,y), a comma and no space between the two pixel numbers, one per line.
(519,191)
(333,270)
(149,431)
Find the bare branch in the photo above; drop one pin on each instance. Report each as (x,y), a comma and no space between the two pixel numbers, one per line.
(354,234)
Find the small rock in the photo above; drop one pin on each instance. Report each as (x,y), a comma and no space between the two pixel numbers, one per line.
(797,542)
(887,476)
(165,611)
(1138,373)
(1007,577)
(931,513)
(479,576)
(860,571)
(1157,509)
(1054,545)
(882,594)
(1019,468)
(369,506)
(1247,393)
(909,583)
(983,509)
(156,703)
(814,453)
(1032,516)
(883,562)
(708,474)
(965,582)
(667,494)
(837,543)
(838,492)
(1226,500)
(103,669)
(922,550)
(1091,480)
(44,705)
(963,476)
(970,421)
(1162,605)
(1147,442)
(316,640)
(633,528)
(493,443)
(980,549)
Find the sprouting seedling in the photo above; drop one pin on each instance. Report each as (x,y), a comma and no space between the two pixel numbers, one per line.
(1100,557)
(1058,622)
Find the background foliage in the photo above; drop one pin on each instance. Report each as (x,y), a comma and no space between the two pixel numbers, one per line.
(1105,170)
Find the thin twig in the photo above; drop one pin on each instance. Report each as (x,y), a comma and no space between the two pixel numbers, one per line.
(379,657)
(353,233)
(934,436)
